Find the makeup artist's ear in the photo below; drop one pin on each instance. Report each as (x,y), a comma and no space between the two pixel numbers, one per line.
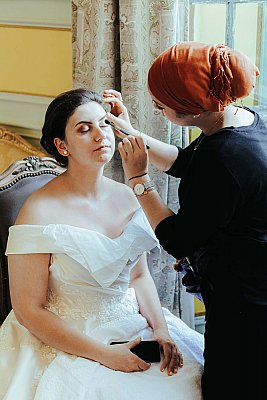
(61,146)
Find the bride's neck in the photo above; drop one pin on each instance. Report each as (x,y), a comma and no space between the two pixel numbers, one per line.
(87,184)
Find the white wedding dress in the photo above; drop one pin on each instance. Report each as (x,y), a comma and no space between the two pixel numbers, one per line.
(89,289)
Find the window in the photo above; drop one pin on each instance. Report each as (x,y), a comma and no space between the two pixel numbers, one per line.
(240,24)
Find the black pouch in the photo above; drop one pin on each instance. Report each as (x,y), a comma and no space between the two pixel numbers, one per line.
(197,270)
(190,278)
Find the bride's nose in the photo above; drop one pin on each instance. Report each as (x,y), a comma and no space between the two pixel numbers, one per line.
(99,133)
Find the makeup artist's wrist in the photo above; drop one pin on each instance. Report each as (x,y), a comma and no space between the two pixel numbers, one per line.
(137,176)
(135,133)
(138,133)
(142,179)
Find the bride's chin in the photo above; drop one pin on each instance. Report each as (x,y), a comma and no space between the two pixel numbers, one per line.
(105,158)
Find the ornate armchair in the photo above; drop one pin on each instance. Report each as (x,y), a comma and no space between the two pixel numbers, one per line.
(16,184)
(13,147)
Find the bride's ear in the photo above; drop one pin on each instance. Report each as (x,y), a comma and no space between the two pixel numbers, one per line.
(61,147)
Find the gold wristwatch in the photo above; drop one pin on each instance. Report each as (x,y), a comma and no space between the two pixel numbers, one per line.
(142,188)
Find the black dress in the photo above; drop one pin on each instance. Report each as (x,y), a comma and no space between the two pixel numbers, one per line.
(223,216)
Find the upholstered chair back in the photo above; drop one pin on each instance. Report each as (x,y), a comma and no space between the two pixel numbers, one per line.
(13,148)
(16,184)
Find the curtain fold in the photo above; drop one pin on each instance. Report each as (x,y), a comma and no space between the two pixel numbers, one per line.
(114,43)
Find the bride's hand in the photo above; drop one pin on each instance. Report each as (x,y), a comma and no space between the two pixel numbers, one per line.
(118,113)
(120,358)
(172,357)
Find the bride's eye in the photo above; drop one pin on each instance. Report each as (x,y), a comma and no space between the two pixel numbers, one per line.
(85,129)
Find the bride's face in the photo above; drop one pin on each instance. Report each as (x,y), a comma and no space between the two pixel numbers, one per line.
(88,138)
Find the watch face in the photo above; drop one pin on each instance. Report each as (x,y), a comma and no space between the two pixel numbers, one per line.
(139,189)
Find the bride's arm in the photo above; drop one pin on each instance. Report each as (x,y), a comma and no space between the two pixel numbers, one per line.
(28,276)
(28,287)
(147,295)
(150,308)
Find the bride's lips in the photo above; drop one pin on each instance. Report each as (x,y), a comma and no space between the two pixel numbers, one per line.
(102,148)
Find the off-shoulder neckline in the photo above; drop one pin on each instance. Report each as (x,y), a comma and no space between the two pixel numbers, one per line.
(136,212)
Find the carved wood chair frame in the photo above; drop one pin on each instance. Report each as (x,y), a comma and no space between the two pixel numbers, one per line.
(30,167)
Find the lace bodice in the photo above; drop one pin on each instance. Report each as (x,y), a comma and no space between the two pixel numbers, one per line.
(89,272)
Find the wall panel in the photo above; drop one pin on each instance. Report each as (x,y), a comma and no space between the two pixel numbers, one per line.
(38,61)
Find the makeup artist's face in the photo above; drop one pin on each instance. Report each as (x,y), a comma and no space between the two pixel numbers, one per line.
(170,114)
(88,138)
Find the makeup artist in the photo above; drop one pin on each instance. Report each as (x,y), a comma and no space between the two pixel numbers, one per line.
(221,225)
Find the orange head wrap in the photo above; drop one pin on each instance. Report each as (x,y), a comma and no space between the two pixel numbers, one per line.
(193,77)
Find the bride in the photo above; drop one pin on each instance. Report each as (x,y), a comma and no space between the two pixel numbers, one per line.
(79,280)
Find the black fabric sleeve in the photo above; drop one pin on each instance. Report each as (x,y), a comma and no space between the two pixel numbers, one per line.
(207,207)
(182,161)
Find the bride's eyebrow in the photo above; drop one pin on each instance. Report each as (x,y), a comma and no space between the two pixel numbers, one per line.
(89,122)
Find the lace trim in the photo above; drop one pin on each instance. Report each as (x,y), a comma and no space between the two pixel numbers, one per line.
(48,353)
(100,308)
(9,343)
(5,339)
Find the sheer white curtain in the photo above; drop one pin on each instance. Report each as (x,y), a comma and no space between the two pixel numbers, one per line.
(114,43)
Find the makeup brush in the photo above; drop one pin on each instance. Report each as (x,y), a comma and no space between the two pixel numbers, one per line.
(119,129)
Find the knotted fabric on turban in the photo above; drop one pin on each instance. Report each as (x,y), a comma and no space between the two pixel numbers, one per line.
(193,77)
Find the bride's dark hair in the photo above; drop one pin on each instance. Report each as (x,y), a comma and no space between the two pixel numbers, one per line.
(57,115)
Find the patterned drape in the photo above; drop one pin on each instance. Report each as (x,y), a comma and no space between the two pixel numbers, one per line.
(114,43)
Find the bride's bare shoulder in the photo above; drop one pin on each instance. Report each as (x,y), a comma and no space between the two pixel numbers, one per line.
(125,195)
(38,205)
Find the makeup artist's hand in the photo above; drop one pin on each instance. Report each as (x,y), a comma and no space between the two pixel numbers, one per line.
(118,113)
(134,156)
